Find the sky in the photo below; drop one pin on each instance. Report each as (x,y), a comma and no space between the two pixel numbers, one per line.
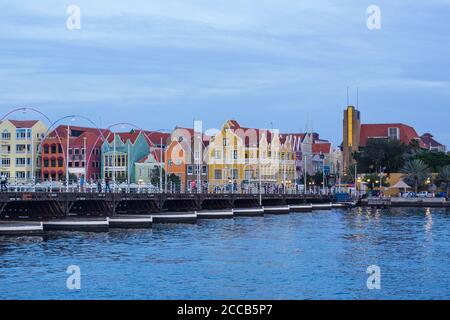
(282,64)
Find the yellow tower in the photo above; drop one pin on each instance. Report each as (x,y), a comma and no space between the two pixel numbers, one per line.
(351,133)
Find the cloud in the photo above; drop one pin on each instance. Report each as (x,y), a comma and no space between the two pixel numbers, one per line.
(286,55)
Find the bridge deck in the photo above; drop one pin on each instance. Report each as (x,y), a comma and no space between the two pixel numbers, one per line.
(47,205)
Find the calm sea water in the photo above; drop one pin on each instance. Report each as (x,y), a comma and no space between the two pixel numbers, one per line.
(320,255)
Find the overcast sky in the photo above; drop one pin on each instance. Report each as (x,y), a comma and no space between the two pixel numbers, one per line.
(285,63)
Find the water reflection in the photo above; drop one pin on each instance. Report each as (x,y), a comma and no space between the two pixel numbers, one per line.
(299,256)
(429,223)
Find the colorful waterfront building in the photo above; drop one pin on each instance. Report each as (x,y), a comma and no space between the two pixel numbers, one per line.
(83,147)
(124,152)
(19,150)
(185,157)
(356,135)
(145,168)
(242,156)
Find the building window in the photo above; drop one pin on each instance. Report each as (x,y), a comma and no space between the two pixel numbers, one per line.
(6,135)
(190,169)
(20,148)
(20,174)
(217,154)
(217,174)
(204,170)
(53,163)
(21,134)
(76,151)
(53,148)
(20,162)
(6,162)
(235,154)
(394,133)
(225,142)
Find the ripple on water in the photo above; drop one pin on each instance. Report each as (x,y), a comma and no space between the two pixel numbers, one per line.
(320,255)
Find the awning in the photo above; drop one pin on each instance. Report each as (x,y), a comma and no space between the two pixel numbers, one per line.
(401,185)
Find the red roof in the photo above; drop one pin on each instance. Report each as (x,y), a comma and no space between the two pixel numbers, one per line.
(429,141)
(190,134)
(155,137)
(406,133)
(324,148)
(156,154)
(124,136)
(78,134)
(151,137)
(24,123)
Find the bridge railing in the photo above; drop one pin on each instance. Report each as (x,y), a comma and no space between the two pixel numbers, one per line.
(59,187)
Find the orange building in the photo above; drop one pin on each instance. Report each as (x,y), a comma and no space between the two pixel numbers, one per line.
(184,159)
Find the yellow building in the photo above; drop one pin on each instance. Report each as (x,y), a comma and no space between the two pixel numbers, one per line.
(247,156)
(19,148)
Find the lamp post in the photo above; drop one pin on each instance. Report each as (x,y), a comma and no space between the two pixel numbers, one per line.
(84,159)
(128,167)
(259,178)
(197,155)
(284,173)
(32,157)
(322,157)
(160,166)
(305,175)
(114,163)
(67,158)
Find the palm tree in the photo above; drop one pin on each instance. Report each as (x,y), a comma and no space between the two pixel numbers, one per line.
(416,170)
(444,176)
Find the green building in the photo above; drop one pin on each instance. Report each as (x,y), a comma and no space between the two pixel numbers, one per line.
(120,151)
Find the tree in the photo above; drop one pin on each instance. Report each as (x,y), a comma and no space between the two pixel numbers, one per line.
(417,171)
(381,153)
(433,159)
(444,176)
(349,174)
(154,180)
(317,178)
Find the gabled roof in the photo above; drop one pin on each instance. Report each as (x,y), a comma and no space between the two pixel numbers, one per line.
(151,137)
(429,141)
(246,133)
(156,155)
(62,131)
(23,123)
(92,135)
(124,136)
(296,140)
(190,135)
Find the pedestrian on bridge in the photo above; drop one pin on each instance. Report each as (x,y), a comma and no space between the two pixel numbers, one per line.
(107,189)
(3,182)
